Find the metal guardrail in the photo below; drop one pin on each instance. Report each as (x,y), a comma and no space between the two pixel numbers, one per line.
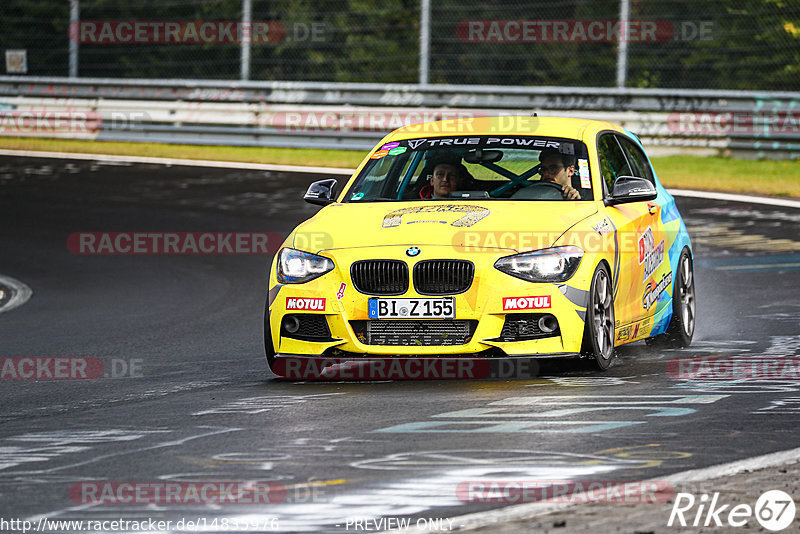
(258,113)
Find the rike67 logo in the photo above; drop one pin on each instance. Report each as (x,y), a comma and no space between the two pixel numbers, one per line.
(774,510)
(650,254)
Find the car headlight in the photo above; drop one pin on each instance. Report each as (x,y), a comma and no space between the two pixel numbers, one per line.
(549,265)
(296,266)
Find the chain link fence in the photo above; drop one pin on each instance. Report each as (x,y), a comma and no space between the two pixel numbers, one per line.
(710,44)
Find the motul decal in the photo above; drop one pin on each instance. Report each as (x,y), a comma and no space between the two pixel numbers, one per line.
(526,303)
(312,304)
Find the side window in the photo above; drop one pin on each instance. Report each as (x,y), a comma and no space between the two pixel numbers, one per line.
(612,161)
(638,160)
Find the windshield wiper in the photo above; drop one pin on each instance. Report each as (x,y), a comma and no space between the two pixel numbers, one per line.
(376,199)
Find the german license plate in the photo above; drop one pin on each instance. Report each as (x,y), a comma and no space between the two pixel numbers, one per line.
(421,308)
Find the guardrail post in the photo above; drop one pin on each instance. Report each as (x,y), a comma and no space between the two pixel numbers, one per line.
(74,35)
(622,45)
(424,40)
(246,36)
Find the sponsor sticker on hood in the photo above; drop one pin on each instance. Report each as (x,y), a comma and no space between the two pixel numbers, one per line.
(472,214)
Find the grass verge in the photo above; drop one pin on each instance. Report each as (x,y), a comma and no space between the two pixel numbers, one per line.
(764,177)
(348,159)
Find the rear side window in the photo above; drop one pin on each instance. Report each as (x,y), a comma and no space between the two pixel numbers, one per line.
(613,163)
(637,159)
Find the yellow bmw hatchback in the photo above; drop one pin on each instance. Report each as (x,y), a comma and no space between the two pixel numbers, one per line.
(495,237)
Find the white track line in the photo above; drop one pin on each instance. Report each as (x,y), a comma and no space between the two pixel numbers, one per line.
(529,510)
(787,203)
(20,293)
(783,202)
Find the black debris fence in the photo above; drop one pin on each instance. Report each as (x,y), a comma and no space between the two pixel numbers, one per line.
(710,44)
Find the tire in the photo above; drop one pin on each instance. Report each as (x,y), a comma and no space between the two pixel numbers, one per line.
(598,334)
(681,328)
(269,348)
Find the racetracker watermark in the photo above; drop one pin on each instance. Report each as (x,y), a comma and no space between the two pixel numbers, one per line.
(734,122)
(404,368)
(602,238)
(165,493)
(774,510)
(583,31)
(418,121)
(43,121)
(202,243)
(21,122)
(69,368)
(127,32)
(559,491)
(737,368)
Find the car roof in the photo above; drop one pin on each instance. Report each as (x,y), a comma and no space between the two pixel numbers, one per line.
(569,128)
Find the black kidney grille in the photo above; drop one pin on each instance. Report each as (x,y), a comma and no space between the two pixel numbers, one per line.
(380,277)
(443,277)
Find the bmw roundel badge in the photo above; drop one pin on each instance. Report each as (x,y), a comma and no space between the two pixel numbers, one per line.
(412,251)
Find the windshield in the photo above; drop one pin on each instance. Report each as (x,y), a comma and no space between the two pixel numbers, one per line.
(475,167)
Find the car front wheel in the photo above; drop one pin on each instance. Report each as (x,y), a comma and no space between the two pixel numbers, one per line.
(598,337)
(269,348)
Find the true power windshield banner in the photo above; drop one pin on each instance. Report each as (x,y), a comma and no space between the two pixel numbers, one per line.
(535,143)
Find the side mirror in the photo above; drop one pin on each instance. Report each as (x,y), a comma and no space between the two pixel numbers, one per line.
(631,189)
(322,192)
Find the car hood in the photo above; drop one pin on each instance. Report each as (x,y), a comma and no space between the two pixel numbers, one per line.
(514,225)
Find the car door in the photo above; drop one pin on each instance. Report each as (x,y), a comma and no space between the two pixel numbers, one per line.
(637,234)
(653,246)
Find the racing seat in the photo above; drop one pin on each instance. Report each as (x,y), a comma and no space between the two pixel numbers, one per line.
(413,190)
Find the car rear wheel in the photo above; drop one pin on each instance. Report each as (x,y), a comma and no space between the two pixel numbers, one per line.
(681,329)
(598,335)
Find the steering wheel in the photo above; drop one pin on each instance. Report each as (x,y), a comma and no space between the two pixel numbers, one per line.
(549,184)
(551,191)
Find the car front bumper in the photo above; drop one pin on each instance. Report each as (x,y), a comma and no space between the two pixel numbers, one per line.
(336,319)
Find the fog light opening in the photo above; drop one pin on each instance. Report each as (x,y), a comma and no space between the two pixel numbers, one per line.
(548,324)
(291,324)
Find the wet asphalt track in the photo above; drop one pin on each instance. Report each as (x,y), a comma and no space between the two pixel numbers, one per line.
(203,407)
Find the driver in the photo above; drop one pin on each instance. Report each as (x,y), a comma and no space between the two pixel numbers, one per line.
(558,168)
(447,176)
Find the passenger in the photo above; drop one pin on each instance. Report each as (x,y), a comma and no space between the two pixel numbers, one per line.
(558,168)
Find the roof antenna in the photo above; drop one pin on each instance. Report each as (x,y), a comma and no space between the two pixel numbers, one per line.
(534,114)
